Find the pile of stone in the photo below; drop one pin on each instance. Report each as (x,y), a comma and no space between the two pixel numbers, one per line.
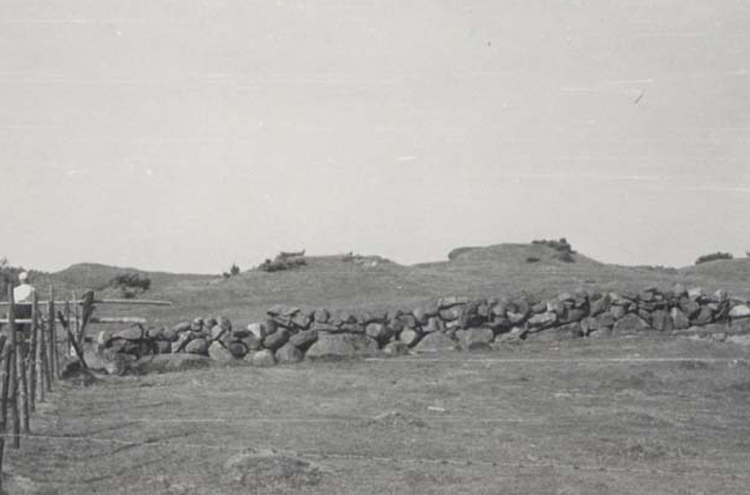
(290,334)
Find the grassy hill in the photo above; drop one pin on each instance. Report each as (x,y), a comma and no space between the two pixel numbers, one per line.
(374,282)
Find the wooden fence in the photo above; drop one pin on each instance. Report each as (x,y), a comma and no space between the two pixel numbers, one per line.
(30,354)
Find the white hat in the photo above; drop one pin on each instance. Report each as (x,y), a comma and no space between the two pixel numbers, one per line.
(23,277)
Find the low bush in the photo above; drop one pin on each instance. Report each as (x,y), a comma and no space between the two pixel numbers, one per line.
(714,257)
(565,256)
(562,245)
(532,259)
(130,284)
(282,262)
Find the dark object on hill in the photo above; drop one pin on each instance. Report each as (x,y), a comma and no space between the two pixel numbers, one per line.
(565,256)
(284,261)
(351,257)
(562,246)
(130,284)
(233,271)
(532,259)
(713,257)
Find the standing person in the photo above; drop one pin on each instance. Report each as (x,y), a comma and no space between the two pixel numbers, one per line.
(23,295)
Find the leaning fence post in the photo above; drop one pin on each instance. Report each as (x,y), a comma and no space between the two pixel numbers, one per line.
(31,353)
(13,375)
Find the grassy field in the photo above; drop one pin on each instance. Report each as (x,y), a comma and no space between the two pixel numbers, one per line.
(328,281)
(643,415)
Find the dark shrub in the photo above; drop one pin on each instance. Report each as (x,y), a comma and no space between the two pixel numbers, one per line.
(282,262)
(562,245)
(532,259)
(713,257)
(565,256)
(130,284)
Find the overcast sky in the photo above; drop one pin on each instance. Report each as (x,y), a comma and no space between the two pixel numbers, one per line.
(186,135)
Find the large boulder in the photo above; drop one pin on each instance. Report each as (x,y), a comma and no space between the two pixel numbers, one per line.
(289,354)
(303,339)
(339,346)
(630,323)
(475,339)
(197,346)
(218,352)
(277,339)
(435,342)
(264,358)
(740,311)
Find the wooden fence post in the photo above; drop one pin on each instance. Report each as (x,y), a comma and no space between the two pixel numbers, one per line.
(52,340)
(44,376)
(21,349)
(13,374)
(32,350)
(4,407)
(76,308)
(68,344)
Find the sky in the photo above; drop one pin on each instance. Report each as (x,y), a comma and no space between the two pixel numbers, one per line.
(187,135)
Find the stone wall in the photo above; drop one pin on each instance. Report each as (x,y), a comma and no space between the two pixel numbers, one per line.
(291,334)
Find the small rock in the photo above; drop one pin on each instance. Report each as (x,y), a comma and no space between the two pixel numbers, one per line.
(695,293)
(224,323)
(543,320)
(257,329)
(238,349)
(379,332)
(322,315)
(217,332)
(252,343)
(434,324)
(182,327)
(132,333)
(679,319)
(182,340)
(396,348)
(704,317)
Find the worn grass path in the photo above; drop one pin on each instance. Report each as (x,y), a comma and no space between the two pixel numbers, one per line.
(643,415)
